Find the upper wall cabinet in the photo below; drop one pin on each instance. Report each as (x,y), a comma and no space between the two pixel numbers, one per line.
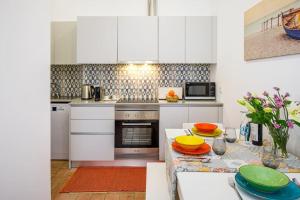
(171,39)
(63,43)
(201,39)
(137,39)
(97,40)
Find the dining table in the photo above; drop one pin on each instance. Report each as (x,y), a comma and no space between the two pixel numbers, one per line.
(237,154)
(211,186)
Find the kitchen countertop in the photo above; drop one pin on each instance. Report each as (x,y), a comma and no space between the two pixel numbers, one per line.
(62,99)
(78,101)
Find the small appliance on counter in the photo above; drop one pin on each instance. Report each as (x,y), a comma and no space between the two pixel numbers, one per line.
(99,93)
(87,91)
(200,91)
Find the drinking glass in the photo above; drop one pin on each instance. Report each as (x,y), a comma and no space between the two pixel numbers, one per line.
(230,135)
(219,146)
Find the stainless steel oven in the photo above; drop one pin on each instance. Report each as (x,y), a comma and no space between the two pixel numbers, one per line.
(200,91)
(137,132)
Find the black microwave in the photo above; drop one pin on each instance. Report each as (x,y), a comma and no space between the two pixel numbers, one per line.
(200,91)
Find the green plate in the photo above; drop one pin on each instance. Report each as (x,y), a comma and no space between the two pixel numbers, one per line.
(263,178)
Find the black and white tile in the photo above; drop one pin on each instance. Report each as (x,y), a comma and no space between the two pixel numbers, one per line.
(125,80)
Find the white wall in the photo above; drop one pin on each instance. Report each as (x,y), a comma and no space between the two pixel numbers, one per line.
(24,100)
(186,7)
(234,75)
(68,10)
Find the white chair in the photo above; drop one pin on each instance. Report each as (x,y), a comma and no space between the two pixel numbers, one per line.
(156,182)
(294,142)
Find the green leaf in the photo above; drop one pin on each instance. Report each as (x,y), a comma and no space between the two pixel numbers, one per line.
(287,102)
(295,122)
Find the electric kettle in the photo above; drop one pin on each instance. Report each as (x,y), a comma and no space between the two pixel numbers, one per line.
(87,91)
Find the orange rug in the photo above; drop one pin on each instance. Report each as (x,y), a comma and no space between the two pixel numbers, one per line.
(107,179)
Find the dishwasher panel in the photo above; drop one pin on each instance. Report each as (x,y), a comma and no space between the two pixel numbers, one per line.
(60,131)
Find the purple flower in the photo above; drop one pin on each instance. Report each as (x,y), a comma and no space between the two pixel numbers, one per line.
(286,95)
(266,93)
(290,124)
(278,101)
(249,94)
(277,126)
(276,88)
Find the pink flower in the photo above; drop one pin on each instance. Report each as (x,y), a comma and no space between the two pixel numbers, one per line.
(278,101)
(290,124)
(277,126)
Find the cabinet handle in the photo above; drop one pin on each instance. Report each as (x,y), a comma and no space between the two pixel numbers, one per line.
(80,133)
(136,124)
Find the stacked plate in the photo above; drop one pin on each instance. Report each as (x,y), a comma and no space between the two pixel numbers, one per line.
(191,145)
(266,183)
(206,130)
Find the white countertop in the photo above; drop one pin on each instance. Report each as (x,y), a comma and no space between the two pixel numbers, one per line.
(211,186)
(79,101)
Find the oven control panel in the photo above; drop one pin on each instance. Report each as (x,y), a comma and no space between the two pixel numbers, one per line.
(137,115)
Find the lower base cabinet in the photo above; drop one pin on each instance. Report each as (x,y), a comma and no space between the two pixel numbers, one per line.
(205,114)
(91,147)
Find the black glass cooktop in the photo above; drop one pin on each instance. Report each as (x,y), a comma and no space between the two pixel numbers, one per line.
(137,101)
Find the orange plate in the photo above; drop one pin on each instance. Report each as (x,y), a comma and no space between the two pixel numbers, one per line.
(206,127)
(204,149)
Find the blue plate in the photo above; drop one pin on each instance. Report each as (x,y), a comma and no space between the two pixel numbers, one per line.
(290,192)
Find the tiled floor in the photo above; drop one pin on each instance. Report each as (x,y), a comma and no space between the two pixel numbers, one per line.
(60,174)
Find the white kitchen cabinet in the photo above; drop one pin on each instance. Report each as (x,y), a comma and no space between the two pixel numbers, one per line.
(201,39)
(171,39)
(92,126)
(92,130)
(92,147)
(63,43)
(101,112)
(137,39)
(205,114)
(97,39)
(171,116)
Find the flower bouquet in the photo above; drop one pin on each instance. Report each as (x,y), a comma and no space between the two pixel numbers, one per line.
(276,112)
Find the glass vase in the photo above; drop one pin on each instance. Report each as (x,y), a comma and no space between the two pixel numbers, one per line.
(280,138)
(270,157)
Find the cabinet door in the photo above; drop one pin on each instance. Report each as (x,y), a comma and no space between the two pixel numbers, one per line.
(92,147)
(97,39)
(204,114)
(201,39)
(93,126)
(171,117)
(63,43)
(94,112)
(171,39)
(137,39)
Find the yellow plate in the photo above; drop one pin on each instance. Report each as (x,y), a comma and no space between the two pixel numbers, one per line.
(217,132)
(189,142)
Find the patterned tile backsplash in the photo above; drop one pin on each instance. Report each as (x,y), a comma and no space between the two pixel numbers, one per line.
(127,81)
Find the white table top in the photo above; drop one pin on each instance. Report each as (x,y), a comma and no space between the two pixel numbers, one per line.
(191,185)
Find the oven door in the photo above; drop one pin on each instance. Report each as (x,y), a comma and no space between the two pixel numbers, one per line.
(133,137)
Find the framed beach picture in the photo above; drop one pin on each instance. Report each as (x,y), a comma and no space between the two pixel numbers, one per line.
(272,28)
